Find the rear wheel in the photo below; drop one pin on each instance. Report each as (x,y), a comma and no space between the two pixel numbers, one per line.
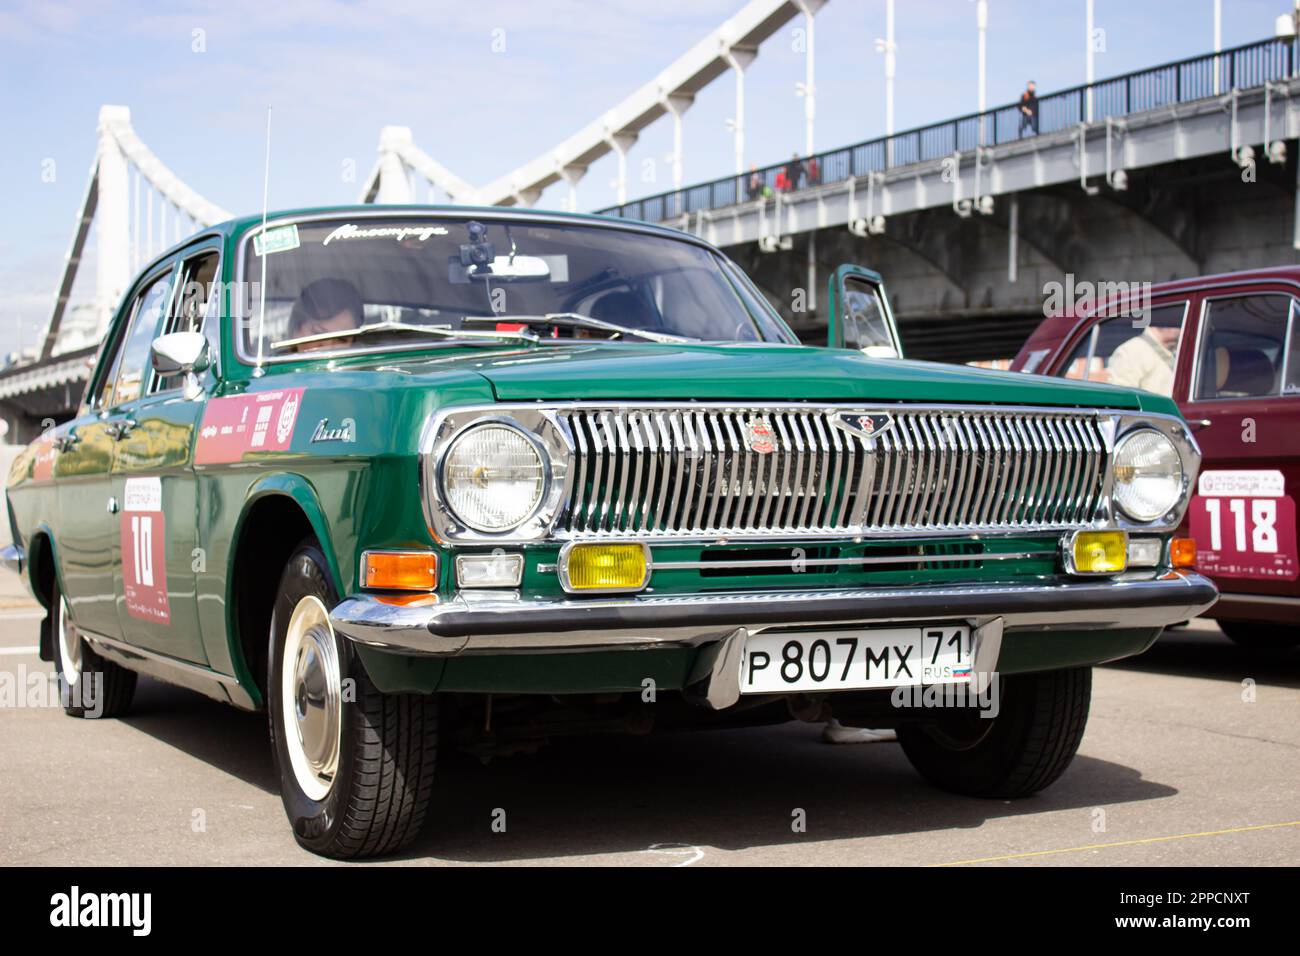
(89,685)
(1026,747)
(1261,635)
(356,766)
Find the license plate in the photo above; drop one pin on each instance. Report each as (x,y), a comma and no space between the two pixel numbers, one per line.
(854,659)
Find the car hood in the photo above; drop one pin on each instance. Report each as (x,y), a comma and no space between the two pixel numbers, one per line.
(765,372)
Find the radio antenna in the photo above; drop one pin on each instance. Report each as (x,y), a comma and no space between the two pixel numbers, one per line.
(261,307)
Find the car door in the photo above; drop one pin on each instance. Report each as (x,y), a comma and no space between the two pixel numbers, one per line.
(87,531)
(160,555)
(859,316)
(1242,397)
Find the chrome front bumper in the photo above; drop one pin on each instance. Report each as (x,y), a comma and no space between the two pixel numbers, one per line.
(488,622)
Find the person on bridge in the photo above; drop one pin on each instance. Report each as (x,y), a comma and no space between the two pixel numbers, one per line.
(796,177)
(754,185)
(1029,109)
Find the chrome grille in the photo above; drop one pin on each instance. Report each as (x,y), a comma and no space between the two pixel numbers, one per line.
(686,471)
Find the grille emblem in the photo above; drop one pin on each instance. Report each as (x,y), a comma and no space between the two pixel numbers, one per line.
(868,425)
(760,436)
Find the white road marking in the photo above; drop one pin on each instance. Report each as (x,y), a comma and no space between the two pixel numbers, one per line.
(677,850)
(16,651)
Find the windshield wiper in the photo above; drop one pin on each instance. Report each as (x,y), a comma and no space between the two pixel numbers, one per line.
(465,336)
(576,320)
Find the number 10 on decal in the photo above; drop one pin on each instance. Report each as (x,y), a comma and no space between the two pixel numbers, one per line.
(142,546)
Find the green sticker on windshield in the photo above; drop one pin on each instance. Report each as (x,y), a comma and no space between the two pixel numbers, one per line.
(278,239)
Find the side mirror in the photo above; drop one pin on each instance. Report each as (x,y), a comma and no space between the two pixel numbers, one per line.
(859,316)
(182,353)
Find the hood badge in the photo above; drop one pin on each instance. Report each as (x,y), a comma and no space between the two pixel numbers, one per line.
(867,425)
(345,431)
(760,437)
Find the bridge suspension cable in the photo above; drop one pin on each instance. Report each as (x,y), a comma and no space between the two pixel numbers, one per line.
(128,191)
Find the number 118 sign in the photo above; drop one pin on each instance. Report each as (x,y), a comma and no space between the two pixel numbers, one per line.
(1244,525)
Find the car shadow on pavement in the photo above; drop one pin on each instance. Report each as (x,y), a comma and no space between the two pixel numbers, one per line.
(732,790)
(233,741)
(1194,652)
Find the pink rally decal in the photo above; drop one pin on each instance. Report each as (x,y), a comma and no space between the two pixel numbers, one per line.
(247,423)
(144,551)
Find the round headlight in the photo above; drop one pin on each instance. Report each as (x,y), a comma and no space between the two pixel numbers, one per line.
(1148,475)
(493,476)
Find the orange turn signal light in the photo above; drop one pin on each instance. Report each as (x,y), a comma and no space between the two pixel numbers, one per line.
(1182,552)
(400,570)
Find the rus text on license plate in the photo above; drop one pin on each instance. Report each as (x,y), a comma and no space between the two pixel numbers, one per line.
(859,658)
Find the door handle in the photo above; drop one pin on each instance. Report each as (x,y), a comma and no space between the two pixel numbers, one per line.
(112,505)
(120,429)
(68,440)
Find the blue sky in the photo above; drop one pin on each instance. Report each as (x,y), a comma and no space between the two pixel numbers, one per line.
(335,72)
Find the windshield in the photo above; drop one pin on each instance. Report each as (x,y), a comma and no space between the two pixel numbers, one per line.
(351,284)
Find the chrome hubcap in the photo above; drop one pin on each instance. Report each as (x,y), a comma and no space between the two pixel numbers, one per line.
(69,646)
(311,698)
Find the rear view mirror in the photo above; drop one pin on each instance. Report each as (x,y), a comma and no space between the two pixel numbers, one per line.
(512,269)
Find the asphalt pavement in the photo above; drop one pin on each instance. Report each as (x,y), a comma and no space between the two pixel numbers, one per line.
(1191,758)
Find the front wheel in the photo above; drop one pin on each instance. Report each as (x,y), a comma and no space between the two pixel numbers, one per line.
(1261,635)
(355,765)
(1026,747)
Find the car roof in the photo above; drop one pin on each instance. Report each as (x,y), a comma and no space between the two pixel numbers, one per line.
(1060,326)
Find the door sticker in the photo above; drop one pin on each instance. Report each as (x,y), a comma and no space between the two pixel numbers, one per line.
(144,551)
(247,423)
(43,465)
(1244,525)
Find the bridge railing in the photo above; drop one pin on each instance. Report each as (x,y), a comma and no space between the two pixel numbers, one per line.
(1182,81)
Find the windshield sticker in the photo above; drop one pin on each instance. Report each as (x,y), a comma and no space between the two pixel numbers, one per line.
(400,233)
(247,423)
(279,239)
(144,551)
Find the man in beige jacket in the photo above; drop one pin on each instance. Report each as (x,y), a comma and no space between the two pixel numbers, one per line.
(1146,361)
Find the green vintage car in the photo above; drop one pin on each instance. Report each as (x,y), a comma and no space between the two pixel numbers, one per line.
(415,476)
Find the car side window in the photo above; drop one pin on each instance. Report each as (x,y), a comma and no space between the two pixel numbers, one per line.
(133,364)
(1123,351)
(1243,346)
(194,300)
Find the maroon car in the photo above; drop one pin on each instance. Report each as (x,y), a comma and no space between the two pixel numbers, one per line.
(1227,348)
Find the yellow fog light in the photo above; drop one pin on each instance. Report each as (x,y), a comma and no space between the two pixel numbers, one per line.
(1097,552)
(605,567)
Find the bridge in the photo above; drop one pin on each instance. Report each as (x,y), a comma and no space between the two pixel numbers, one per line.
(1175,170)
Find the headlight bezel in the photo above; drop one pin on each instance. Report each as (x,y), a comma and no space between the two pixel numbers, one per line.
(1176,432)
(1178,475)
(538,427)
(530,442)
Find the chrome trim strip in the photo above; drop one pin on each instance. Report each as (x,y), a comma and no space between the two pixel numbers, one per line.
(197,670)
(858,561)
